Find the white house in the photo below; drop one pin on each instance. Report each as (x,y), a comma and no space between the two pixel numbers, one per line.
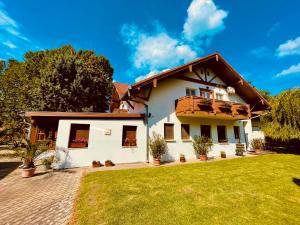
(203,97)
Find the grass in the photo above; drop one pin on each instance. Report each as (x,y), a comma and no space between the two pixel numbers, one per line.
(253,190)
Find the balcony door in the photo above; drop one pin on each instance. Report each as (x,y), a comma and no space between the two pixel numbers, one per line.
(205,93)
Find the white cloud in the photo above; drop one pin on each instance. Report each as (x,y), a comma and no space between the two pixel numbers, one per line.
(204,19)
(151,73)
(156,51)
(14,42)
(9,44)
(292,70)
(273,29)
(291,47)
(261,52)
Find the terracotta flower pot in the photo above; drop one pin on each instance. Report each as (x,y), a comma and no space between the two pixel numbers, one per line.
(28,172)
(109,164)
(156,162)
(257,151)
(182,159)
(96,164)
(203,157)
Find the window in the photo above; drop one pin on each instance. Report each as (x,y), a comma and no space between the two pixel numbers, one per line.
(79,136)
(236,130)
(219,96)
(204,93)
(190,92)
(205,131)
(185,131)
(129,136)
(169,131)
(222,134)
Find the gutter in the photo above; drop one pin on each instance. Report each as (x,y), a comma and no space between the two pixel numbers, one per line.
(146,121)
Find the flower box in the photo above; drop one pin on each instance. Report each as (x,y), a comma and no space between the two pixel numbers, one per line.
(78,145)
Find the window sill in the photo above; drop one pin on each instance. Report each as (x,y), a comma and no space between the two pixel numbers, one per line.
(223,143)
(129,146)
(170,140)
(70,148)
(186,140)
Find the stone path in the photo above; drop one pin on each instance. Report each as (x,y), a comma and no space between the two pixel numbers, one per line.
(46,198)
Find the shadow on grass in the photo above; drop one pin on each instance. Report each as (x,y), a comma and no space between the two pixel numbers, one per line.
(7,167)
(296,181)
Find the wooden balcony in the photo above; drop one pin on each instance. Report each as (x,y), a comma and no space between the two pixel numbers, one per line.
(195,106)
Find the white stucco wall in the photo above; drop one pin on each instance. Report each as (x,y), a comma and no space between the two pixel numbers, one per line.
(162,110)
(101,147)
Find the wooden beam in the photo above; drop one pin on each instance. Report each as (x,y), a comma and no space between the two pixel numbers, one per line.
(198,75)
(217,58)
(205,72)
(131,106)
(149,93)
(190,68)
(200,82)
(155,83)
(212,78)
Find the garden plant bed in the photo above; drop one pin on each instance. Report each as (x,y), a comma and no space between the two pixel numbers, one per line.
(254,190)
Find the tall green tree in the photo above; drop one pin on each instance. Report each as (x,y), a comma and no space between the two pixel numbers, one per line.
(283,123)
(76,81)
(60,79)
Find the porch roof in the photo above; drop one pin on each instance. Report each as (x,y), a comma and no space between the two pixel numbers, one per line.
(85,115)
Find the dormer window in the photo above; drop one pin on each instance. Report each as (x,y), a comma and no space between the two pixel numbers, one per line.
(190,92)
(205,93)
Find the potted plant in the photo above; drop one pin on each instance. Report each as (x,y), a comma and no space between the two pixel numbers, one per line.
(48,162)
(158,147)
(257,145)
(29,154)
(182,158)
(109,163)
(96,164)
(223,154)
(202,145)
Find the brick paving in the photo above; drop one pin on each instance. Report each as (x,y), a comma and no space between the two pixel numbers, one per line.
(46,198)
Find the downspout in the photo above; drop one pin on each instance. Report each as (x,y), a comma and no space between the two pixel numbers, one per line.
(146,122)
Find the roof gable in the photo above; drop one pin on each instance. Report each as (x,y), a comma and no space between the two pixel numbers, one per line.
(222,69)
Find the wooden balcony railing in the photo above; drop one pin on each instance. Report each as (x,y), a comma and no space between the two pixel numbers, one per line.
(203,107)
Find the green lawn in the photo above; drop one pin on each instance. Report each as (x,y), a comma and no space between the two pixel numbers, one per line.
(253,190)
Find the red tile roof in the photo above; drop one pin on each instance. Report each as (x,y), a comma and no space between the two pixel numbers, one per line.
(121,88)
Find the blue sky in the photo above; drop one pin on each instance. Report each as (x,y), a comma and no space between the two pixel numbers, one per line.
(260,40)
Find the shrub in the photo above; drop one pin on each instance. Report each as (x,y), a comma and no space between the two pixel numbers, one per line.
(257,143)
(202,144)
(158,145)
(48,162)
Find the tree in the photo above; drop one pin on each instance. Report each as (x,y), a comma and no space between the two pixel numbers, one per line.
(76,81)
(60,79)
(13,100)
(283,123)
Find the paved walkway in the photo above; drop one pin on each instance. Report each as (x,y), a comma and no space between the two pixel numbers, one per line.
(46,198)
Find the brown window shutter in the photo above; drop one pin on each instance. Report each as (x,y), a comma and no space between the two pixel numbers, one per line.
(169,131)
(129,136)
(205,130)
(79,132)
(222,134)
(185,131)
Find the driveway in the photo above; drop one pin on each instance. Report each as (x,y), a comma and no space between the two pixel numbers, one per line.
(46,198)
